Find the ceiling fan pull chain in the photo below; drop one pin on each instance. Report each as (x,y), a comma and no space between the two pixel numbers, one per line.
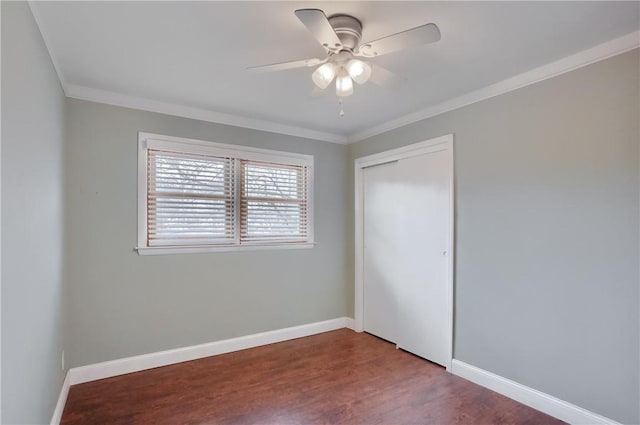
(341,108)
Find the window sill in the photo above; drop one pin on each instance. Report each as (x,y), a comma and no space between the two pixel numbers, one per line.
(164,250)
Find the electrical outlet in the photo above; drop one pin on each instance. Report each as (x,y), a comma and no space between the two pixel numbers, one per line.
(62,359)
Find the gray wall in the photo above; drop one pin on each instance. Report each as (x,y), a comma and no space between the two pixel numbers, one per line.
(547,244)
(32,217)
(547,238)
(121,304)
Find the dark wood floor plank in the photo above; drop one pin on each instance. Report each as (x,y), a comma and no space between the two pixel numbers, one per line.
(338,377)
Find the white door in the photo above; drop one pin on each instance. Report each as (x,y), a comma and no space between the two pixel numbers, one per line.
(406,239)
(422,193)
(380,252)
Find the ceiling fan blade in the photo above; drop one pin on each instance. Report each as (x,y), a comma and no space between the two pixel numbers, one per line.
(316,21)
(414,37)
(384,78)
(281,66)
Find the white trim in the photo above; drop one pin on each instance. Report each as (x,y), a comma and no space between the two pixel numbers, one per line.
(164,250)
(533,398)
(586,57)
(536,399)
(578,60)
(45,39)
(62,400)
(144,104)
(148,141)
(246,152)
(358,259)
(414,149)
(433,145)
(142,192)
(79,375)
(349,323)
(203,147)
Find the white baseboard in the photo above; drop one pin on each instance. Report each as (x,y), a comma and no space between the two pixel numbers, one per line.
(349,323)
(78,375)
(546,403)
(62,400)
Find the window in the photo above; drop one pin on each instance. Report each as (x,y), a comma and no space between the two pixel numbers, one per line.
(199,196)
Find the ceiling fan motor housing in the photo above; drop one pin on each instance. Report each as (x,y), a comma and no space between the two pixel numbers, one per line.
(348,29)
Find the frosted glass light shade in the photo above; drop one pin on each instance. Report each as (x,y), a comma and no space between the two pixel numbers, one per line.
(323,75)
(359,71)
(344,84)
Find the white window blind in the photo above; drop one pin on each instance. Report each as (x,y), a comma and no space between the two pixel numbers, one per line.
(273,202)
(199,196)
(190,199)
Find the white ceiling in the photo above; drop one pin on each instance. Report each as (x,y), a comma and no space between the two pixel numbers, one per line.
(195,54)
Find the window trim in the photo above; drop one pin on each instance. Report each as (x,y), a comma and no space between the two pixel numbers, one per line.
(184,145)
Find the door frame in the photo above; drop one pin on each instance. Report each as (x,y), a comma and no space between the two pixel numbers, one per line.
(442,143)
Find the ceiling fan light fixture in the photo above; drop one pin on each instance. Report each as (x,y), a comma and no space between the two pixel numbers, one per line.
(344,84)
(359,71)
(340,35)
(323,75)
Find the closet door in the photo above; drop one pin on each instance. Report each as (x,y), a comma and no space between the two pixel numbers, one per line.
(380,260)
(406,229)
(422,190)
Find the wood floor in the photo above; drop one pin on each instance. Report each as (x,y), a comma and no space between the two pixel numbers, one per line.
(338,377)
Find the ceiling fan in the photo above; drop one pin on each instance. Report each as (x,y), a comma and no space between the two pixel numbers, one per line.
(340,36)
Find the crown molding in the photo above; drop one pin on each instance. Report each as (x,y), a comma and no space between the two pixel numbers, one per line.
(118,99)
(567,64)
(145,104)
(578,60)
